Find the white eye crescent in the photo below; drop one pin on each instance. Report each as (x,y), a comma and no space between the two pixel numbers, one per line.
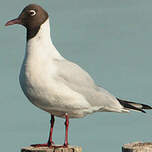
(32,12)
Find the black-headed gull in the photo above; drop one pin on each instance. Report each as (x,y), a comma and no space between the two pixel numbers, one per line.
(57,85)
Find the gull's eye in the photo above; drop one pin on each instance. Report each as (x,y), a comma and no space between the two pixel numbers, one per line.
(32,12)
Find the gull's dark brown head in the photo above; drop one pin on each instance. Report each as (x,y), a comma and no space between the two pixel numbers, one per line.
(31,17)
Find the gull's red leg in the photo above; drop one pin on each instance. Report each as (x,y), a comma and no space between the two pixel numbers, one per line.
(66,129)
(50,142)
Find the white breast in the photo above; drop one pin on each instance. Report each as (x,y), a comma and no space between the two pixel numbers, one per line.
(44,91)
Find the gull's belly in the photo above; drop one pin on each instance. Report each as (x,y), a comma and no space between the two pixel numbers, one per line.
(52,96)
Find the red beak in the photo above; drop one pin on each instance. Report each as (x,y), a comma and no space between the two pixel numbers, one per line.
(14,21)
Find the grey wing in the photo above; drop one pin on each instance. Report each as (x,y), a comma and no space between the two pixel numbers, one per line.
(74,76)
(80,81)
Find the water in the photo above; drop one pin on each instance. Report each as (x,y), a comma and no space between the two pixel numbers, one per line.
(112,41)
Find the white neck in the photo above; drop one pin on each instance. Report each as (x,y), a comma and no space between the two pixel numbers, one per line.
(41,43)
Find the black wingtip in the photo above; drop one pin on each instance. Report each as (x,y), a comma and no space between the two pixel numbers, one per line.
(134,105)
(146,106)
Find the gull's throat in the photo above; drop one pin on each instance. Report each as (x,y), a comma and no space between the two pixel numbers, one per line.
(41,32)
